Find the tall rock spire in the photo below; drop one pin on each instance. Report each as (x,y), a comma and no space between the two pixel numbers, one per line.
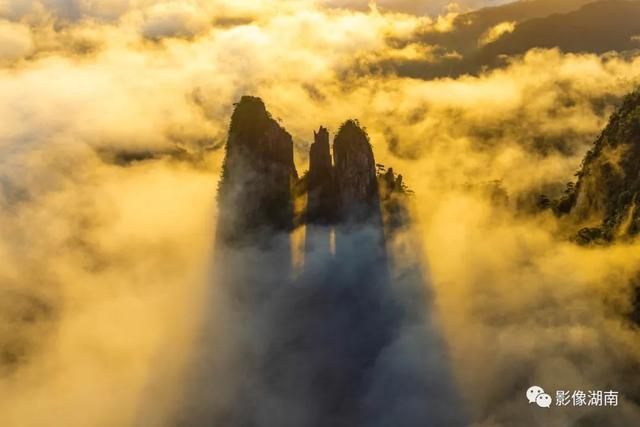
(258,173)
(358,206)
(321,203)
(355,174)
(321,197)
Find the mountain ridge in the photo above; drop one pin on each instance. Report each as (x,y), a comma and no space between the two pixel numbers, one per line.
(595,27)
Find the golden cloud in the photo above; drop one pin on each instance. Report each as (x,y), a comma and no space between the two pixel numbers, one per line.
(119,250)
(497,31)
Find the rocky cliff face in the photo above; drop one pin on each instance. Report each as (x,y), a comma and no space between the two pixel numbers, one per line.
(355,172)
(258,174)
(321,197)
(349,191)
(605,198)
(255,192)
(394,200)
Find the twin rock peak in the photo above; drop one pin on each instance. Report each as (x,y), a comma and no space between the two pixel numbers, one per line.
(260,182)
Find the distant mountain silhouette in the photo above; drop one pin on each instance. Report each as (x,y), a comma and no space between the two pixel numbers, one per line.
(469,27)
(596,28)
(572,26)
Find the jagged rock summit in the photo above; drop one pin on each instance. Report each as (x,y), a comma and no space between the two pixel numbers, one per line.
(257,175)
(256,192)
(321,198)
(355,171)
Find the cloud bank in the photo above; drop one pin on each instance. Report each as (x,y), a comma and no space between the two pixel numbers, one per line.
(112,119)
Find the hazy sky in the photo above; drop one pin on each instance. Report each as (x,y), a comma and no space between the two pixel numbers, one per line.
(421,7)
